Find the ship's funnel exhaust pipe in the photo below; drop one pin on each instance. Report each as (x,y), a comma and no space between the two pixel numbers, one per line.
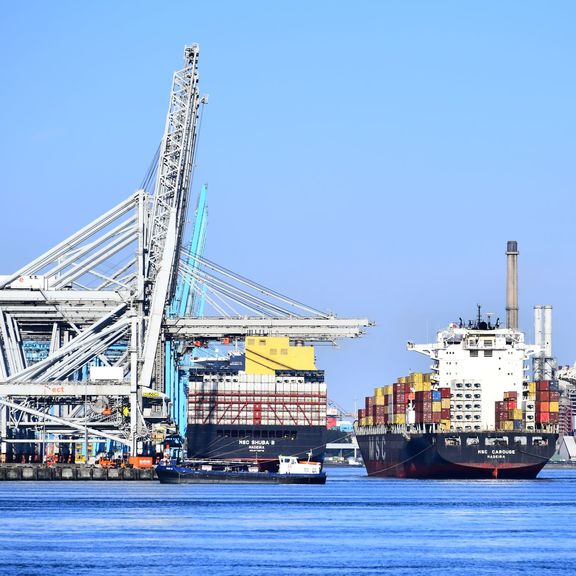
(512,285)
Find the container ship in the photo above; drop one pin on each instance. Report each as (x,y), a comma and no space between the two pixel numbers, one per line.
(475,415)
(255,405)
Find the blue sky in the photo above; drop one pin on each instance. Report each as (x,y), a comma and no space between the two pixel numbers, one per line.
(369,158)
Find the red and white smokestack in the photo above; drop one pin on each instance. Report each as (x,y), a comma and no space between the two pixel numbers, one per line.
(512,285)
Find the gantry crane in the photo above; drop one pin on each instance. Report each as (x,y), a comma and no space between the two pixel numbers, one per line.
(84,327)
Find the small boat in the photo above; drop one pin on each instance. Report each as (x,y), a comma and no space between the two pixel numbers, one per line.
(290,471)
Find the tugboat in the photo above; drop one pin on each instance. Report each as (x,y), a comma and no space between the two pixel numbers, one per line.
(290,471)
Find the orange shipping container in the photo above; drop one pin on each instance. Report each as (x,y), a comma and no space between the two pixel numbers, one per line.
(141,461)
(542,407)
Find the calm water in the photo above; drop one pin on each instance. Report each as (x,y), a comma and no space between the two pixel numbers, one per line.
(352,525)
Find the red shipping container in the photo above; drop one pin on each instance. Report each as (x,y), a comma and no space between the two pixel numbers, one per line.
(543,385)
(445,413)
(543,396)
(511,404)
(380,419)
(512,395)
(445,392)
(554,417)
(554,396)
(543,417)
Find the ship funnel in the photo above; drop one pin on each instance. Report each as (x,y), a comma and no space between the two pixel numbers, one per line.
(512,285)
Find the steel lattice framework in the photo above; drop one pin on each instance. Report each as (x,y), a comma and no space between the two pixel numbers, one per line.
(83,326)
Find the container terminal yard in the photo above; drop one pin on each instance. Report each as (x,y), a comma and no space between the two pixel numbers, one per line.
(97,334)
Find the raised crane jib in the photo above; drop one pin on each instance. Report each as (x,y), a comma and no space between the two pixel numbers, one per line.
(174,171)
(168,212)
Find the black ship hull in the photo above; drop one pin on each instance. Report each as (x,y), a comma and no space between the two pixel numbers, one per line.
(186,475)
(261,444)
(455,455)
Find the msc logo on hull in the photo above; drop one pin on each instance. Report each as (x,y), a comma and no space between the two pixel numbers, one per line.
(376,448)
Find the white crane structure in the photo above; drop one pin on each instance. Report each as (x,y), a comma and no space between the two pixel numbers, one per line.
(83,326)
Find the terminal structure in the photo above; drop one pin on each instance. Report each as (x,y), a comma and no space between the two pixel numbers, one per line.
(94,331)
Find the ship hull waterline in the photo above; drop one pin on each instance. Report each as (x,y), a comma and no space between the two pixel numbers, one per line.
(428,455)
(184,475)
(255,444)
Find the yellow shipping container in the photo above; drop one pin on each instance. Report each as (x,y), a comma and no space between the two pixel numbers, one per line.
(403,379)
(379,400)
(507,425)
(427,377)
(399,419)
(265,355)
(445,403)
(388,389)
(532,387)
(515,414)
(554,407)
(379,391)
(423,386)
(444,424)
(368,420)
(436,406)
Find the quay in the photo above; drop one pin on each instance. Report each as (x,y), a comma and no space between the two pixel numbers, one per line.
(73,472)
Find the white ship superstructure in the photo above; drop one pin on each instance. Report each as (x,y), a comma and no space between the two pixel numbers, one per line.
(478,362)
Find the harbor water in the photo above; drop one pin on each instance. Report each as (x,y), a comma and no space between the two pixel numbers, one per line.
(353,525)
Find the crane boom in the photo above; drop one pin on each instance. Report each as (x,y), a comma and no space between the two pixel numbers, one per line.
(170,201)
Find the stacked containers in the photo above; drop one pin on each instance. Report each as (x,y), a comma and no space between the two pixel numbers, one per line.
(428,404)
(379,407)
(423,405)
(507,414)
(368,404)
(411,395)
(547,404)
(291,398)
(445,419)
(400,393)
